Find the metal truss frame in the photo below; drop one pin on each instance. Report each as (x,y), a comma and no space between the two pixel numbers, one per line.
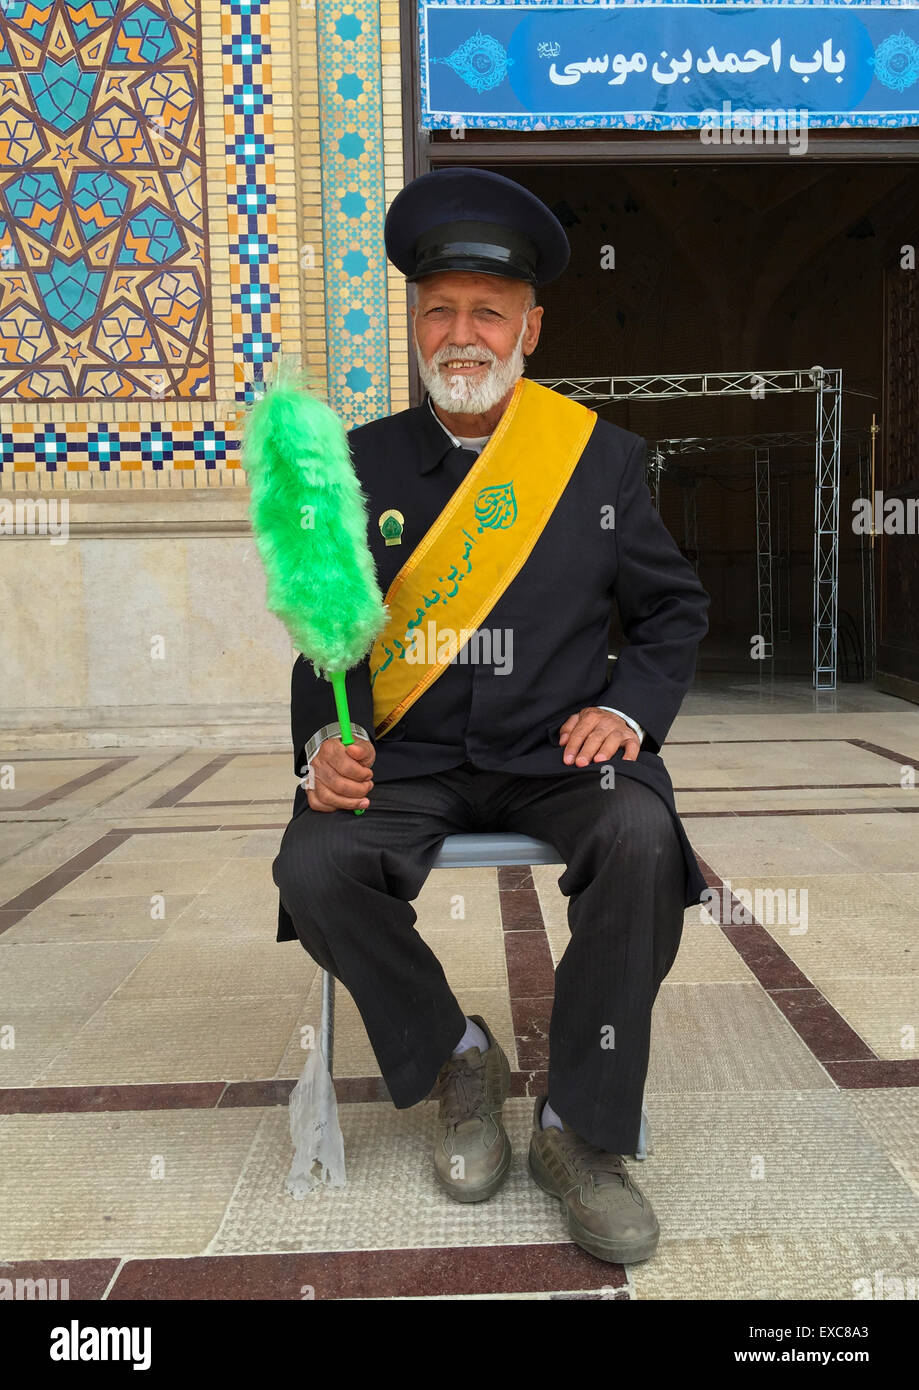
(826,385)
(783,557)
(869,635)
(764,550)
(691,520)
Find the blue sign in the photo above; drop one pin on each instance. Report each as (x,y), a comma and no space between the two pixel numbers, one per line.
(668,64)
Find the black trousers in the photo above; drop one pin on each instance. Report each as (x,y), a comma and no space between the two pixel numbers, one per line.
(347,882)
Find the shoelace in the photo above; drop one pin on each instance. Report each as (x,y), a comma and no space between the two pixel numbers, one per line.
(603,1167)
(462,1090)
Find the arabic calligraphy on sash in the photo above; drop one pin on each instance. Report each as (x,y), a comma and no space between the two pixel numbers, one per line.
(495,510)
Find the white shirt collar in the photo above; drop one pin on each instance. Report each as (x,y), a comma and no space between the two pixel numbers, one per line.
(457,441)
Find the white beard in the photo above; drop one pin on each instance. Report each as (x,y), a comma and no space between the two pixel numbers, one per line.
(461,395)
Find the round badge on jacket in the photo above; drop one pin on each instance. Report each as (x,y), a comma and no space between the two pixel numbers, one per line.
(392,524)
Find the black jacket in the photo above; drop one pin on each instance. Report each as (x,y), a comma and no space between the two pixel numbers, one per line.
(557,609)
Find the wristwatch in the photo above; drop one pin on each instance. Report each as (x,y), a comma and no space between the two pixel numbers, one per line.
(328,731)
(632,723)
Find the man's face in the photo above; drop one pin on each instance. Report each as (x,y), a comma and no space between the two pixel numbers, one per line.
(471,334)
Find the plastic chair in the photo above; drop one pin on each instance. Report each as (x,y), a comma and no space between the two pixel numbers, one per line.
(488,851)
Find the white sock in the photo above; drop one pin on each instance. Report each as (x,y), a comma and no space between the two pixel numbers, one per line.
(549,1118)
(473,1037)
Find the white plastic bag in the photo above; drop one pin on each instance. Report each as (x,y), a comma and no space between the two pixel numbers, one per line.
(319,1156)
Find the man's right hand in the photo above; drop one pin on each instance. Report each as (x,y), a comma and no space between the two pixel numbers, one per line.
(341,777)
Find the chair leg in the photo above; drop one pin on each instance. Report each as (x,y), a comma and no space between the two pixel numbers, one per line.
(645,1147)
(327,1018)
(327,1042)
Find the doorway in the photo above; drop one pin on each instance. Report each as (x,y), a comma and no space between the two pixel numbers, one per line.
(731,266)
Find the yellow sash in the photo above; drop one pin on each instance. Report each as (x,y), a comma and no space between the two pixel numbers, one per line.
(478,543)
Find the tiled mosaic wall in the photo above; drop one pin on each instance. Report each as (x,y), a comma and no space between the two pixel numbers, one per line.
(186,191)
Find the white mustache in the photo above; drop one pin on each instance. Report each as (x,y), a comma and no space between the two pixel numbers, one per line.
(441,358)
(457,391)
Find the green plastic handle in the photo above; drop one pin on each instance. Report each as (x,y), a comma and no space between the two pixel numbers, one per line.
(344,717)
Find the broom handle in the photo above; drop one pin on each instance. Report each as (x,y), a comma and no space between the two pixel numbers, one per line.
(344,717)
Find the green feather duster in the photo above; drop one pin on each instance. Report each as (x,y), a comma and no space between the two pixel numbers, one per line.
(309,518)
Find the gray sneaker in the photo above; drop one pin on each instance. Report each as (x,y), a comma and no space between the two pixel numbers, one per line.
(607,1214)
(472,1152)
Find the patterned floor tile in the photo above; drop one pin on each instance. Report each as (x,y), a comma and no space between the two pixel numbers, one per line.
(141,1183)
(62,972)
(200,1039)
(884,1010)
(726,1038)
(835,1265)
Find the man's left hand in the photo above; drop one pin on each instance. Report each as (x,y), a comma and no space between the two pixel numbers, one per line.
(594,735)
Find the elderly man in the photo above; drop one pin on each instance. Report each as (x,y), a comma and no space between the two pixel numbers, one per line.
(504,519)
